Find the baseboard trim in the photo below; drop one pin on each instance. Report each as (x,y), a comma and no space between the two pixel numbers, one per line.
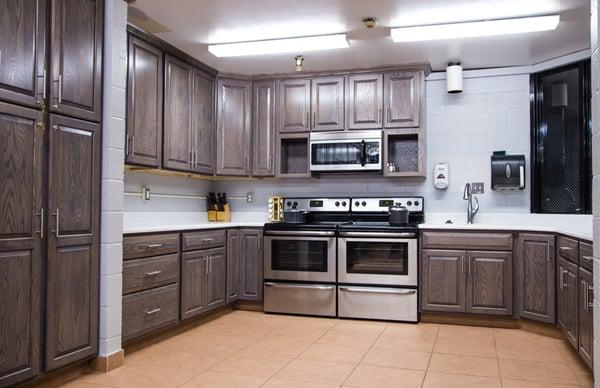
(108,363)
(248,305)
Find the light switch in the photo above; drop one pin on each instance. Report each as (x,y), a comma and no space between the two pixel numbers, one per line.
(250,196)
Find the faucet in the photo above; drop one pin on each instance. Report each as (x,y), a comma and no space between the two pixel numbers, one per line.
(468,196)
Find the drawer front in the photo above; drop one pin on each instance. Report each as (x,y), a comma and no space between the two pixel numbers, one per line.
(293,298)
(468,240)
(203,240)
(146,311)
(568,249)
(150,272)
(150,245)
(396,304)
(586,256)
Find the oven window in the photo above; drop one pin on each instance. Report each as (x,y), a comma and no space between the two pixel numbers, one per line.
(380,258)
(299,255)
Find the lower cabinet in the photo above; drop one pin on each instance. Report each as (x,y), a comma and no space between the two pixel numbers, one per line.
(251,265)
(203,281)
(150,310)
(490,283)
(566,295)
(234,253)
(443,285)
(216,281)
(586,316)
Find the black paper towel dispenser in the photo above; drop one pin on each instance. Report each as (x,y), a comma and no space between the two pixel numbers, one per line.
(508,172)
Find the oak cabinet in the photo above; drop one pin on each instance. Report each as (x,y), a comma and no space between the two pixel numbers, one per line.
(443,285)
(234,253)
(263,119)
(193,283)
(586,316)
(251,265)
(567,303)
(294,105)
(216,284)
(203,129)
(402,99)
(365,101)
(490,283)
(328,104)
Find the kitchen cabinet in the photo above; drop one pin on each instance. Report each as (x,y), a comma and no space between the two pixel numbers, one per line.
(251,265)
(365,101)
(148,311)
(402,99)
(586,316)
(203,128)
(23,51)
(76,31)
(233,127)
(216,284)
(263,119)
(535,276)
(234,253)
(489,283)
(567,303)
(193,283)
(328,104)
(294,105)
(443,280)
(144,104)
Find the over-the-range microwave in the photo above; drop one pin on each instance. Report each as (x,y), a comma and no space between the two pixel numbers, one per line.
(345,151)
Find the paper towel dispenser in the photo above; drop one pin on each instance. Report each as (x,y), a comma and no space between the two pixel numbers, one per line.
(508,172)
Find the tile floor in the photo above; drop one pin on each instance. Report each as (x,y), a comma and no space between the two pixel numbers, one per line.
(252,349)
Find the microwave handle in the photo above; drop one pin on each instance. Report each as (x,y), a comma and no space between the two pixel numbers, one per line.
(363,153)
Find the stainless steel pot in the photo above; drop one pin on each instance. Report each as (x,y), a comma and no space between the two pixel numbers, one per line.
(294,216)
(398,215)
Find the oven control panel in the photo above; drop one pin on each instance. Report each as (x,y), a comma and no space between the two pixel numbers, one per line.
(413,204)
(317,204)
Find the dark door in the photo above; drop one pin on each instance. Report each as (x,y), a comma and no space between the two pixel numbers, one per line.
(566,296)
(21,234)
(144,104)
(264,129)
(233,127)
(23,51)
(490,285)
(535,277)
(193,283)
(294,105)
(401,99)
(251,264)
(216,285)
(443,280)
(203,126)
(328,104)
(365,101)
(76,32)
(586,316)
(234,253)
(73,234)
(178,115)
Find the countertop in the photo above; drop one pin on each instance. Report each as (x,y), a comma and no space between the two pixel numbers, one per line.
(142,222)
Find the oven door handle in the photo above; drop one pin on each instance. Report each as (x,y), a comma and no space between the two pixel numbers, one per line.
(310,287)
(300,233)
(378,234)
(378,291)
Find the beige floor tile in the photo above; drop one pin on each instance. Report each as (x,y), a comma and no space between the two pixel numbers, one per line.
(419,338)
(366,376)
(277,347)
(520,345)
(349,338)
(394,358)
(333,353)
(571,357)
(252,365)
(224,380)
(133,377)
(512,383)
(81,384)
(465,341)
(314,371)
(468,365)
(277,383)
(537,371)
(450,380)
(584,380)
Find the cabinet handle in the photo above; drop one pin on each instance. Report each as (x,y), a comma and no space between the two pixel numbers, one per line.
(207,240)
(41,215)
(153,311)
(314,122)
(132,145)
(59,82)
(462,265)
(387,114)
(210,264)
(206,265)
(588,258)
(308,119)
(57,216)
(43,77)
(153,273)
(586,296)
(561,279)
(195,157)
(590,288)
(379,118)
(190,157)
(157,245)
(468,266)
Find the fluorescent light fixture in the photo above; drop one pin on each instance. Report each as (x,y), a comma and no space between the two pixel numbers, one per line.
(276,46)
(473,29)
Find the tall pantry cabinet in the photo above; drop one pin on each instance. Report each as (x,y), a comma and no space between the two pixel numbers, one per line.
(50,155)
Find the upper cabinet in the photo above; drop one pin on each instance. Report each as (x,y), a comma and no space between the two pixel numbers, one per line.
(76,32)
(402,99)
(144,104)
(365,101)
(294,105)
(203,105)
(327,104)
(263,124)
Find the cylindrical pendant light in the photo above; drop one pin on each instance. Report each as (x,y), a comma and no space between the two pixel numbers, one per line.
(454,78)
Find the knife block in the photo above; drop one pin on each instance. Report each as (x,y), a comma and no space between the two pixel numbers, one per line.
(212,215)
(225,215)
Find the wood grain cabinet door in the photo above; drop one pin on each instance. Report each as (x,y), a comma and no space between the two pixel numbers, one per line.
(23,51)
(586,316)
(365,101)
(535,274)
(144,104)
(233,127)
(294,105)
(216,285)
(251,265)
(234,251)
(263,120)
(328,104)
(21,236)
(177,139)
(566,300)
(203,126)
(193,283)
(443,280)
(76,32)
(73,234)
(401,99)
(490,283)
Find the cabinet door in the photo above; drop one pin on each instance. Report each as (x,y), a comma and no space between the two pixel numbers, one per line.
(216,285)
(566,296)
(294,105)
(535,277)
(178,115)
(490,285)
(193,283)
(264,129)
(76,58)
(251,264)
(443,280)
(402,99)
(23,51)
(144,104)
(233,127)
(328,103)
(203,127)
(365,101)
(586,316)
(21,263)
(234,250)
(73,234)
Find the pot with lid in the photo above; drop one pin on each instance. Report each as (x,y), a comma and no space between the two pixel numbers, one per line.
(398,215)
(294,216)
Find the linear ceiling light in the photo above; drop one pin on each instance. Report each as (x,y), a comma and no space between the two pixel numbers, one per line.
(473,29)
(275,46)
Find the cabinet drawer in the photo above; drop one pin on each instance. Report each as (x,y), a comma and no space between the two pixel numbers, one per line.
(202,240)
(150,310)
(586,256)
(568,249)
(468,240)
(150,245)
(150,272)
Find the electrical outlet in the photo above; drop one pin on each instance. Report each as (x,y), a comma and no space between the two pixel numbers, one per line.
(477,188)
(250,196)
(145,194)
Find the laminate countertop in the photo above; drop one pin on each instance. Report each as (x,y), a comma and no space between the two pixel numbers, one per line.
(151,222)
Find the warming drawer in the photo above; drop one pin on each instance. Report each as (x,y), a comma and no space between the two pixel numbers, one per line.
(299,298)
(395,304)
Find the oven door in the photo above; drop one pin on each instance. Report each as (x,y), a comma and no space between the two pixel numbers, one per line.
(377,258)
(302,256)
(345,155)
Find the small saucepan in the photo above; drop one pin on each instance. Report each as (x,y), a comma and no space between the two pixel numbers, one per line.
(294,216)
(398,215)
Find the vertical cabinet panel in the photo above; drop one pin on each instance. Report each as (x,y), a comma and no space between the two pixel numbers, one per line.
(328,104)
(251,265)
(365,101)
(234,252)
(294,105)
(193,283)
(216,285)
(21,264)
(402,99)
(22,51)
(586,316)
(73,232)
(203,124)
(76,32)
(144,104)
(263,120)
(443,280)
(490,286)
(566,297)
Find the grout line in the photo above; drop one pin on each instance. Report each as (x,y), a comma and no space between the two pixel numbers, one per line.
(437,332)
(365,354)
(497,358)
